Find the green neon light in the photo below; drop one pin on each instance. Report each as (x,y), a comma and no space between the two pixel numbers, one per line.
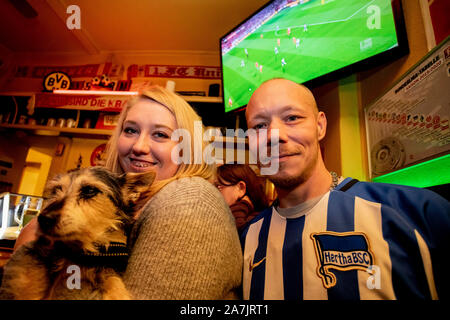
(426,174)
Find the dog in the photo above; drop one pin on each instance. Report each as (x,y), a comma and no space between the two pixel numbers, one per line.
(81,249)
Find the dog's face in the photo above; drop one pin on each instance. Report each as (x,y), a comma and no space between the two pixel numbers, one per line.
(91,206)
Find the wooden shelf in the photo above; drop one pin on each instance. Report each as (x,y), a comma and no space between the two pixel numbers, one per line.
(202,99)
(80,132)
(187,98)
(46,130)
(98,109)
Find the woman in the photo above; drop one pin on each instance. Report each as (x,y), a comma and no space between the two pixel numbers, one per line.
(242,190)
(184,244)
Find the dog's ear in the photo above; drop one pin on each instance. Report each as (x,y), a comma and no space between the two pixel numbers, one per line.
(136,187)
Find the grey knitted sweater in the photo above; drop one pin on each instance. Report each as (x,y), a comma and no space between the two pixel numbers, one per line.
(185,245)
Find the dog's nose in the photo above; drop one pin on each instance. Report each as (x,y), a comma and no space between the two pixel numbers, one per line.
(47,222)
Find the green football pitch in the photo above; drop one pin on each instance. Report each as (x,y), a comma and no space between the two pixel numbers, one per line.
(332,34)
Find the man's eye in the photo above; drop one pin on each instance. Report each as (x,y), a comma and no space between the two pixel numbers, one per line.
(259,126)
(292,118)
(88,192)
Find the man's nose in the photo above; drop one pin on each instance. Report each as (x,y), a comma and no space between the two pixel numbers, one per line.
(142,145)
(276,131)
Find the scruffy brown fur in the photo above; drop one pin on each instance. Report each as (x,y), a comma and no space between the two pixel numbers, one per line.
(85,210)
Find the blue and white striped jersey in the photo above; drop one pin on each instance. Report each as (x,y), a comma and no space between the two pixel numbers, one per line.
(373,241)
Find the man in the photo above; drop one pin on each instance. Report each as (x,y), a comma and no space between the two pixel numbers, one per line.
(332,238)
(283,64)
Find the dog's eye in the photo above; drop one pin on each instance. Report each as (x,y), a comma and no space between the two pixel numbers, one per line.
(87,192)
(55,190)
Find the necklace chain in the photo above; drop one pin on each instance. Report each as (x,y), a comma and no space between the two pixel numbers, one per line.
(334,181)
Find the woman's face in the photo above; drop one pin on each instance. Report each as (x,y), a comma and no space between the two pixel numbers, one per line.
(145,141)
(231,193)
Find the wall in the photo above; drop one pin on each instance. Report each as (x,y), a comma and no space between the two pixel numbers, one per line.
(16,148)
(373,83)
(11,150)
(345,145)
(80,152)
(36,171)
(327,97)
(376,81)
(334,98)
(9,83)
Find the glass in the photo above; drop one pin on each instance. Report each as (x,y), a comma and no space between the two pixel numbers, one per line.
(16,210)
(220,186)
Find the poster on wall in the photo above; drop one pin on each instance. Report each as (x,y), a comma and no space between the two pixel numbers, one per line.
(410,122)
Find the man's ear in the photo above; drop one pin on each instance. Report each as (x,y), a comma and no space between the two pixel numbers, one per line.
(136,187)
(321,125)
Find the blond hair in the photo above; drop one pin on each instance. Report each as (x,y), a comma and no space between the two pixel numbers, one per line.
(185,118)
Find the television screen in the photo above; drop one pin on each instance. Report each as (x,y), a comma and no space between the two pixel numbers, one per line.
(310,42)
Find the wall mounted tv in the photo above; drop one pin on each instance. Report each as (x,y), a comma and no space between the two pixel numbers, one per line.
(309,42)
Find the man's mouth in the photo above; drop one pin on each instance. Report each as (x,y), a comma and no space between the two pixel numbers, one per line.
(284,156)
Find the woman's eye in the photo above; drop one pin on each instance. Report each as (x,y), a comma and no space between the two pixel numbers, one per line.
(129,130)
(161,135)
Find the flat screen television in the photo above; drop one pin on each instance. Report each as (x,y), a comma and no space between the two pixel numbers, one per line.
(309,42)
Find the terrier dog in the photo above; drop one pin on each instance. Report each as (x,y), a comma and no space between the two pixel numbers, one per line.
(81,248)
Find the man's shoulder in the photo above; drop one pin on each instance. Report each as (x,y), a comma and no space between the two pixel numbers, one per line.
(411,203)
(377,190)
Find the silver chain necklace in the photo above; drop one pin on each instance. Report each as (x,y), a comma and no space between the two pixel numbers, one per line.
(334,181)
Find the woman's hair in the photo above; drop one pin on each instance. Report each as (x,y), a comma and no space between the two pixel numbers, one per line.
(185,118)
(231,174)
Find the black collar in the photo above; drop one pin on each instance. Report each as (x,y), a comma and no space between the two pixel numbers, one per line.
(115,257)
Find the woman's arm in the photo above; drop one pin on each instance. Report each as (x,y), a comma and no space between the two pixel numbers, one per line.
(187,246)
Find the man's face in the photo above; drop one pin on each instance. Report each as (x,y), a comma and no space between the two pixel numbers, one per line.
(283,105)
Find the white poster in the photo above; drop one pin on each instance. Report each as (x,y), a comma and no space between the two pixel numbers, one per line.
(410,122)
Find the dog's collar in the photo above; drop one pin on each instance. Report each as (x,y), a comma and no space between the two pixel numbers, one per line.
(114,256)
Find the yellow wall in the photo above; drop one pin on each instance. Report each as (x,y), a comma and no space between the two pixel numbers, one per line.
(34,177)
(327,97)
(35,162)
(84,148)
(352,153)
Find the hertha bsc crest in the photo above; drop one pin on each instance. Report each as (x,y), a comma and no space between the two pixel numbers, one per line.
(341,251)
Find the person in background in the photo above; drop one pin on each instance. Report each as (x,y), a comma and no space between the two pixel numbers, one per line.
(242,190)
(326,237)
(184,243)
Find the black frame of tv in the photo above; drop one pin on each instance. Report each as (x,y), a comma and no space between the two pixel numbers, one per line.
(379,59)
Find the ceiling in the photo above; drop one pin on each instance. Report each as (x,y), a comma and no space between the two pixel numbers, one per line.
(121,25)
